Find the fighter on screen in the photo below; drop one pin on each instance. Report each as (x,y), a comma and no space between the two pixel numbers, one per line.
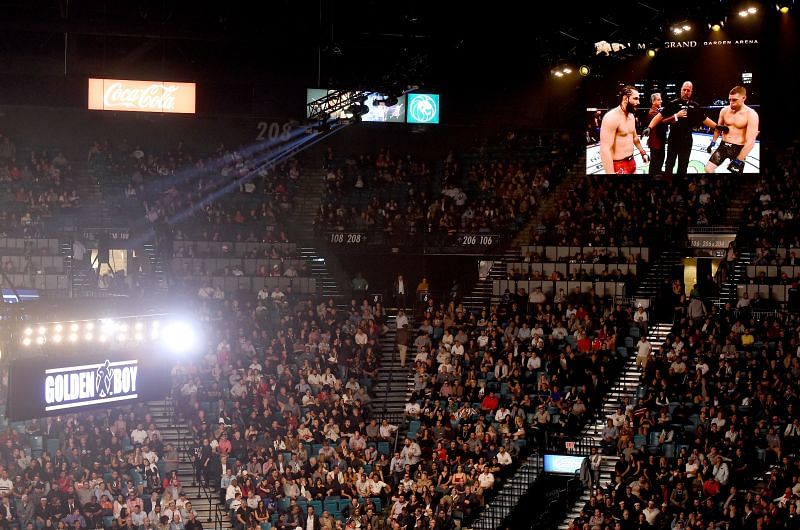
(618,135)
(738,124)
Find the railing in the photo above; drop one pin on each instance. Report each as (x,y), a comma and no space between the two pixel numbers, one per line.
(500,507)
(711,229)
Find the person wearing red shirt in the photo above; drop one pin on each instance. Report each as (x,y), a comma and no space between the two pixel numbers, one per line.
(490,402)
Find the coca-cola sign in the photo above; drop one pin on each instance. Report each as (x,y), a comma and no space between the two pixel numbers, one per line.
(141,96)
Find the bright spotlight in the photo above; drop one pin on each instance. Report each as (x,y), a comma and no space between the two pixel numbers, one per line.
(558,73)
(26,341)
(123,328)
(40,340)
(101,338)
(179,337)
(783,9)
(56,338)
(752,10)
(716,27)
(28,332)
(567,70)
(122,337)
(42,330)
(651,53)
(584,70)
(74,327)
(88,337)
(89,326)
(139,326)
(58,328)
(73,337)
(107,325)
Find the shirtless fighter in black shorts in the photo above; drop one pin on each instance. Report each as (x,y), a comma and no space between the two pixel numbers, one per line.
(738,124)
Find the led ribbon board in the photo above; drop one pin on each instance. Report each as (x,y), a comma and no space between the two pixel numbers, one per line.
(42,385)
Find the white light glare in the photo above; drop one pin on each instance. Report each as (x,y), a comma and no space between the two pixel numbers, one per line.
(179,337)
(28,332)
(26,341)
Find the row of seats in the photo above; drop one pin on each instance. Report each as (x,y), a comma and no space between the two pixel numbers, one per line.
(568,268)
(236,248)
(19,245)
(560,253)
(776,293)
(550,288)
(243,283)
(49,264)
(772,271)
(42,282)
(250,266)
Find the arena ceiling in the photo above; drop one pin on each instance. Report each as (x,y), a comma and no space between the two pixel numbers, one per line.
(335,41)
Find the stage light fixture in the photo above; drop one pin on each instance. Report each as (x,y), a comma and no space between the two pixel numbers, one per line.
(26,341)
(74,327)
(584,70)
(88,337)
(28,332)
(58,328)
(40,340)
(73,337)
(749,11)
(179,337)
(567,70)
(89,326)
(558,73)
(681,27)
(651,53)
(783,7)
(56,338)
(42,330)
(715,27)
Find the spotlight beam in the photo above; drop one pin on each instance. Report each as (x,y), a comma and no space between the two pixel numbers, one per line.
(280,156)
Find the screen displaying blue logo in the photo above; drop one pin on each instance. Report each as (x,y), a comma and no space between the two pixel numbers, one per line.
(423,108)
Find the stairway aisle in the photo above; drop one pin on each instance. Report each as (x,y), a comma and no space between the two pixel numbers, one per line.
(736,275)
(177,432)
(626,387)
(394,384)
(482,292)
(512,489)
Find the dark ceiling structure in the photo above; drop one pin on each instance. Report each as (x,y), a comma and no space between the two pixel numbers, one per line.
(327,39)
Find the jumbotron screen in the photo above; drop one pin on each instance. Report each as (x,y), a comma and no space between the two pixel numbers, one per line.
(692,108)
(378,111)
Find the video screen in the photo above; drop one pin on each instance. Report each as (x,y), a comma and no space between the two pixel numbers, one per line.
(691,109)
(378,110)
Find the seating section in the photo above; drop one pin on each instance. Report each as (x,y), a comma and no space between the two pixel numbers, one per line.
(633,211)
(393,197)
(34,264)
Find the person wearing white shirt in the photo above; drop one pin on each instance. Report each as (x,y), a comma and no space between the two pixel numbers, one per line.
(534,362)
(643,350)
(138,435)
(503,457)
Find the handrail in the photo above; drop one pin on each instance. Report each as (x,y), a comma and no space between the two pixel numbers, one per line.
(721,229)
